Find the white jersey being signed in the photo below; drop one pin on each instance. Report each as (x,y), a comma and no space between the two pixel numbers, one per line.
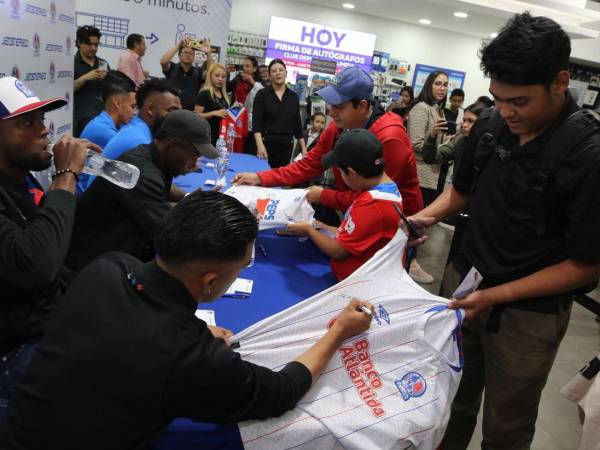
(274,207)
(390,387)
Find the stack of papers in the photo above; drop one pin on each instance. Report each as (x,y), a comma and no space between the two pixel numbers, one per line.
(240,288)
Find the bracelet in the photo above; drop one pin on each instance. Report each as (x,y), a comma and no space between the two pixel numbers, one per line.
(60,172)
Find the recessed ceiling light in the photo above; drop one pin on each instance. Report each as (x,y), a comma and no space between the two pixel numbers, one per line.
(425,21)
(348,6)
(493,35)
(461,15)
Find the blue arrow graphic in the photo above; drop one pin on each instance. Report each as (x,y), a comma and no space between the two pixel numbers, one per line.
(153,38)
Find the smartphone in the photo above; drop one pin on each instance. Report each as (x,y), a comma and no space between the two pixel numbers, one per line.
(413,233)
(196,44)
(451,127)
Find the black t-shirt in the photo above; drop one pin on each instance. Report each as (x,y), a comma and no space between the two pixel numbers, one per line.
(124,355)
(189,83)
(501,240)
(110,218)
(87,100)
(273,116)
(210,104)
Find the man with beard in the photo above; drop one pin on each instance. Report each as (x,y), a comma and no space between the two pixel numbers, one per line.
(35,228)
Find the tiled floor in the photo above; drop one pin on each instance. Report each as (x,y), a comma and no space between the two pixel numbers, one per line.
(557,426)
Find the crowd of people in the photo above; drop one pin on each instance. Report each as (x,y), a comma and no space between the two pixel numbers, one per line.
(99,284)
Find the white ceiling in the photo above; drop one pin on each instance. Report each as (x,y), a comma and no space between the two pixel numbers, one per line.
(485,16)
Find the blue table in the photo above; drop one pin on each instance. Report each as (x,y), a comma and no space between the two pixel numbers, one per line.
(290,271)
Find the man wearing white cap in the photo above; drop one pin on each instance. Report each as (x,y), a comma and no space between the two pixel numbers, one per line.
(35,228)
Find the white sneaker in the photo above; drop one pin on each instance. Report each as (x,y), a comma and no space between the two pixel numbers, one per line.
(418,274)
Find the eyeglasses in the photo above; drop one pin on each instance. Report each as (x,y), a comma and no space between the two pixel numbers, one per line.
(440,83)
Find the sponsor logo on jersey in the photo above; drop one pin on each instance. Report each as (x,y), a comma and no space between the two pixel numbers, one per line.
(266,208)
(412,385)
(361,370)
(381,314)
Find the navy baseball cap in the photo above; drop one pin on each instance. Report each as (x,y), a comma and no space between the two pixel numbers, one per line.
(350,83)
(355,148)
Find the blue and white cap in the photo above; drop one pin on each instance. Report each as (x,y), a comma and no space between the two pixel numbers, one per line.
(352,82)
(17,99)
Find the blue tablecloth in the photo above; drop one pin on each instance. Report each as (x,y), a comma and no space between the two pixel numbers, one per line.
(289,272)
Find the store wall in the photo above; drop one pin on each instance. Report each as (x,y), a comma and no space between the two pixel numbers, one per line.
(586,49)
(415,44)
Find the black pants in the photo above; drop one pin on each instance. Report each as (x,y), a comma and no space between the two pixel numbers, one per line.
(279,148)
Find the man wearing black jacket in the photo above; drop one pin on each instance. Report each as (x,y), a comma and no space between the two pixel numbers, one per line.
(35,228)
(124,354)
(110,218)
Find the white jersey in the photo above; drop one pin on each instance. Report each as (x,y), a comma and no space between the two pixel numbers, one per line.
(390,387)
(274,207)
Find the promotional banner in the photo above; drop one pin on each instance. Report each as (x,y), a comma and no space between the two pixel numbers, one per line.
(163,23)
(37,43)
(456,78)
(297,43)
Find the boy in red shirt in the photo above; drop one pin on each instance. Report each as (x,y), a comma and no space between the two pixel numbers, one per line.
(371,221)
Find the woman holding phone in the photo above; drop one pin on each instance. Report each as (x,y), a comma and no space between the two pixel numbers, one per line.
(422,118)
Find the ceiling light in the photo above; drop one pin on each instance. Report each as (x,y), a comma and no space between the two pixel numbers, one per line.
(493,35)
(425,21)
(348,6)
(461,15)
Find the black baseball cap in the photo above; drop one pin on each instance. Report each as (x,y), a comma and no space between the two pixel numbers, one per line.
(355,148)
(190,127)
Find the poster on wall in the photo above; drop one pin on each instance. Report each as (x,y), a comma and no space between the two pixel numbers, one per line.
(37,43)
(380,61)
(297,43)
(456,78)
(162,23)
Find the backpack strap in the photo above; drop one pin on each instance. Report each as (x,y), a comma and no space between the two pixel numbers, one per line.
(486,146)
(578,127)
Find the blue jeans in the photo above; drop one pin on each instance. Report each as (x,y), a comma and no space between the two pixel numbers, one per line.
(12,366)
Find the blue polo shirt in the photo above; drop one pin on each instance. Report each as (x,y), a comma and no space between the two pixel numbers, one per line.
(100,129)
(135,133)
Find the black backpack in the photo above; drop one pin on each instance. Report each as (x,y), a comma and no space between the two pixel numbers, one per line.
(568,135)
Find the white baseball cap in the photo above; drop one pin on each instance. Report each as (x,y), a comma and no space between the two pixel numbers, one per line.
(17,99)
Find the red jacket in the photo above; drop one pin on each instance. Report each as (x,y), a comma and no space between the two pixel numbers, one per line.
(400,166)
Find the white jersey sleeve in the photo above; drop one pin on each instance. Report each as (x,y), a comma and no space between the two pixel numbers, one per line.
(390,387)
